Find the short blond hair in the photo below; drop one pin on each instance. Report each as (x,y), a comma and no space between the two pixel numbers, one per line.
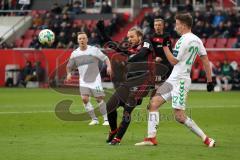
(138,31)
(159,20)
(78,33)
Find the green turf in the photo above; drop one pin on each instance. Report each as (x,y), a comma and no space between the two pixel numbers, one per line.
(30,130)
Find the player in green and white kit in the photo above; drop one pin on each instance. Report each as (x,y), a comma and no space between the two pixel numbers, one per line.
(177,85)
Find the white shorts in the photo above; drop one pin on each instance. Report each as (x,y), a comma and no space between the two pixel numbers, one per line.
(175,90)
(92,89)
(98,92)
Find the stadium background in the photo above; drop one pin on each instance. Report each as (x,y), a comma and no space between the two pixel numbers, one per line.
(33,131)
(215,22)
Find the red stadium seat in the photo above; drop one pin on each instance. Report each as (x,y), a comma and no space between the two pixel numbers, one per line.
(231,42)
(78,22)
(221,42)
(107,22)
(27,42)
(19,42)
(34,12)
(88,22)
(29,33)
(42,12)
(94,22)
(210,43)
(203,41)
(37,31)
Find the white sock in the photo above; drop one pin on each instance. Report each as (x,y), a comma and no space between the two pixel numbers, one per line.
(89,108)
(103,109)
(194,128)
(153,121)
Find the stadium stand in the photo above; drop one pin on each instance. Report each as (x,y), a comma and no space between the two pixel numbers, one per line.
(217,27)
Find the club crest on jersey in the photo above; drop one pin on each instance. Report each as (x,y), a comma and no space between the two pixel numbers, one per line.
(146,44)
(175,53)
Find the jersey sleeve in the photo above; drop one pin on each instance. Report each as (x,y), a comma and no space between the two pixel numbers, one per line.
(202,50)
(147,45)
(100,55)
(167,41)
(179,50)
(143,52)
(71,62)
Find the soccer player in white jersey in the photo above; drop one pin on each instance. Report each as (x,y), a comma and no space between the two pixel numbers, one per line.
(85,58)
(177,85)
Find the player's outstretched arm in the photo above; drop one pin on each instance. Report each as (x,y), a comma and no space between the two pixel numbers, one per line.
(69,68)
(169,55)
(109,67)
(207,68)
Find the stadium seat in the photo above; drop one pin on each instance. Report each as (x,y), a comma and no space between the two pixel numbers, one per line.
(34,12)
(78,22)
(203,41)
(19,42)
(37,31)
(42,12)
(27,42)
(88,22)
(107,22)
(94,22)
(231,42)
(29,33)
(221,42)
(210,43)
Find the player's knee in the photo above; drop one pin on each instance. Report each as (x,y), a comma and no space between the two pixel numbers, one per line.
(154,105)
(99,99)
(180,118)
(85,100)
(126,117)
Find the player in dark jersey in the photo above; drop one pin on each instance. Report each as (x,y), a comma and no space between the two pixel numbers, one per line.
(140,75)
(159,39)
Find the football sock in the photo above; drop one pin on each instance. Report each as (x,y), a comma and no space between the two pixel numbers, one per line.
(89,108)
(103,109)
(194,128)
(126,119)
(153,121)
(112,119)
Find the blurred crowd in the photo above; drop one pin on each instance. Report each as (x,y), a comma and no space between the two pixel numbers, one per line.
(226,75)
(65,29)
(15,4)
(211,23)
(33,73)
(61,20)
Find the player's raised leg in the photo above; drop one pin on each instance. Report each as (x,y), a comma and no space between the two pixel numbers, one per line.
(182,118)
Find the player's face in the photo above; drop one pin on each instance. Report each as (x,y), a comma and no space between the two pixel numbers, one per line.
(158,26)
(133,38)
(179,27)
(82,40)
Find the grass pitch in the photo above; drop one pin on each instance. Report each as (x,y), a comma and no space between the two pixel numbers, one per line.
(30,130)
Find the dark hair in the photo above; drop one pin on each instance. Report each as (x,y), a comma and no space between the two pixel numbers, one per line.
(185,18)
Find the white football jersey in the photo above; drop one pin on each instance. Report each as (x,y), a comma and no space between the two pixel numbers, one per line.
(87,63)
(185,51)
